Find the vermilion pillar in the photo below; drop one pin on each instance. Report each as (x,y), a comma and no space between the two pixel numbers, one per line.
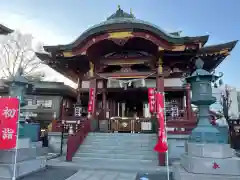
(160,88)
(104,99)
(93,84)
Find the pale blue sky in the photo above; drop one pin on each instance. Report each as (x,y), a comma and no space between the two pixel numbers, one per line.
(61,21)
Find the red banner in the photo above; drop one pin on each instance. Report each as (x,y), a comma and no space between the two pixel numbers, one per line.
(151,99)
(91,100)
(9,114)
(161,146)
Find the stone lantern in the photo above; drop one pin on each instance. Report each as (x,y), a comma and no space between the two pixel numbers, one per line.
(18,85)
(201,86)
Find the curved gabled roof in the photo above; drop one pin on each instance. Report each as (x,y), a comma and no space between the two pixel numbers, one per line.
(123,20)
(4,30)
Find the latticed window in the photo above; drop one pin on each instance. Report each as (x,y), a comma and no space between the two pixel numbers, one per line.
(44,103)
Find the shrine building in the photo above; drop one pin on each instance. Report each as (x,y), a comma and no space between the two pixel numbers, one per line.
(121,58)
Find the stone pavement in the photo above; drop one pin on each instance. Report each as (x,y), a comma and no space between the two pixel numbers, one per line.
(105,174)
(51,173)
(102,175)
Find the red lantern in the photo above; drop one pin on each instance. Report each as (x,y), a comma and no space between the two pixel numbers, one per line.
(9,114)
(161,146)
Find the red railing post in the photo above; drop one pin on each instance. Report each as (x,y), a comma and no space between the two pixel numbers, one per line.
(75,140)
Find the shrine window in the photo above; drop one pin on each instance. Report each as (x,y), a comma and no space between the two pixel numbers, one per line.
(43,103)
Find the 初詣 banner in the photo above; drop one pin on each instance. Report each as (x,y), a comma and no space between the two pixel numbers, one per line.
(161,145)
(9,114)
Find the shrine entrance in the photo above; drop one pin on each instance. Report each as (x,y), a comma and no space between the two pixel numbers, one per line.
(128,112)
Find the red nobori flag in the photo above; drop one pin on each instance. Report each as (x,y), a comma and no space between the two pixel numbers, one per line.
(161,146)
(91,101)
(151,99)
(9,114)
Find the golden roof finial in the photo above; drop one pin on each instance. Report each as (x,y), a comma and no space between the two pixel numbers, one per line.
(119,7)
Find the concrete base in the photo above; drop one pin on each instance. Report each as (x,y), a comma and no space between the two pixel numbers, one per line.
(23,168)
(24,143)
(23,154)
(207,161)
(27,160)
(54,142)
(210,150)
(227,166)
(179,173)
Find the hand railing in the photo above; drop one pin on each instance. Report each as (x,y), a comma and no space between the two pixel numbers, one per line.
(75,140)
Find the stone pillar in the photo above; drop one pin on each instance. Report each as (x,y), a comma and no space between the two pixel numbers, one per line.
(188,103)
(160,88)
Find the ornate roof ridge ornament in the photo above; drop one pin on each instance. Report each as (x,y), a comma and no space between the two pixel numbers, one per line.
(121,14)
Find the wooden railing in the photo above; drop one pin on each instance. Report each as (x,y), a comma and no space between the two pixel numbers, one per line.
(75,140)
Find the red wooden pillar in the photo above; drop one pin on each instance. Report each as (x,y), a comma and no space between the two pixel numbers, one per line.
(93,84)
(160,88)
(104,99)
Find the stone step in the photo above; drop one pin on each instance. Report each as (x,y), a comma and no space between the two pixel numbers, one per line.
(137,141)
(114,161)
(120,134)
(126,148)
(119,156)
(123,136)
(23,168)
(120,140)
(102,165)
(117,151)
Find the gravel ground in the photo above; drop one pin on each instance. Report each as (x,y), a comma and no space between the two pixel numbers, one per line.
(51,173)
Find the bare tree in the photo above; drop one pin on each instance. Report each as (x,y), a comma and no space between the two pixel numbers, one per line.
(226,102)
(17,51)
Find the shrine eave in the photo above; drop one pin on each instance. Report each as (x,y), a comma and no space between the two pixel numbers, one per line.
(219,48)
(214,55)
(5,30)
(132,25)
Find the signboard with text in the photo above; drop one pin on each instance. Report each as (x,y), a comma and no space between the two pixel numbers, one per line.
(91,101)
(9,114)
(151,99)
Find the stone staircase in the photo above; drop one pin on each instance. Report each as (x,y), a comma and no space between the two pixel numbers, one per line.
(118,151)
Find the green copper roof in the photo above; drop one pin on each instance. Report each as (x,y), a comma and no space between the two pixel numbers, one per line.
(122,20)
(122,17)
